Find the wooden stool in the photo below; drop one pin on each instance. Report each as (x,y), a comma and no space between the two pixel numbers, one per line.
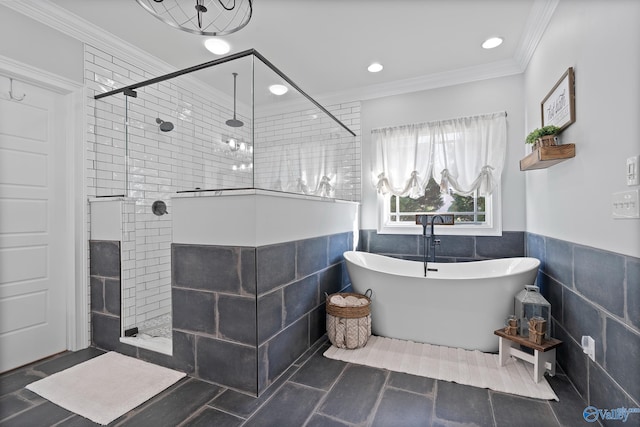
(543,358)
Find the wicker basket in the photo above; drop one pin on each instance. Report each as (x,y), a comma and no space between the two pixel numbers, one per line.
(348,327)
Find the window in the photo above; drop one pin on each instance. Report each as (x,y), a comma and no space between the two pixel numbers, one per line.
(463,156)
(466,209)
(473,213)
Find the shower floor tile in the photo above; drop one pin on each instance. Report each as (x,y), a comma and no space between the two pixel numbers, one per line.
(157,327)
(312,393)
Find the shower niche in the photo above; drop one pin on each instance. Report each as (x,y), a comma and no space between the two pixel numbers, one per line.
(208,164)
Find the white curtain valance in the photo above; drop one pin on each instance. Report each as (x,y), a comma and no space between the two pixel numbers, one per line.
(465,155)
(403,163)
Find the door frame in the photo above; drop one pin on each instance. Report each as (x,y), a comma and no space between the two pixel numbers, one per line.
(76,245)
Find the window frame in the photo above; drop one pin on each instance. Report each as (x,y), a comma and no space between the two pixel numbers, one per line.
(492,226)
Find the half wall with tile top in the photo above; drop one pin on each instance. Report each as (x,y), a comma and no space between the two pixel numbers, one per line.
(248,289)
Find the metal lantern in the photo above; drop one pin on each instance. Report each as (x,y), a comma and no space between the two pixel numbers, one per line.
(528,304)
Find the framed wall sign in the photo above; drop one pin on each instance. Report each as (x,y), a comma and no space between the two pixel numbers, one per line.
(559,106)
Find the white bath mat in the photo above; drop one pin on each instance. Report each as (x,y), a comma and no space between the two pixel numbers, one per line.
(105,387)
(457,365)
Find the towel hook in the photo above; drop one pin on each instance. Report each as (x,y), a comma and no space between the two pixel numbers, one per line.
(15,98)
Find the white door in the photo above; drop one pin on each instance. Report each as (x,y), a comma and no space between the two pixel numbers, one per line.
(33,239)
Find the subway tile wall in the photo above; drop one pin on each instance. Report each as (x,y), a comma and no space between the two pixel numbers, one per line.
(289,145)
(192,155)
(597,293)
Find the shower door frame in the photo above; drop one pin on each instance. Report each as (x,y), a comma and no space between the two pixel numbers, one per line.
(130,90)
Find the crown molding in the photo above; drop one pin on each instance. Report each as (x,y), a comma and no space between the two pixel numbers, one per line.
(431,81)
(50,14)
(539,18)
(53,16)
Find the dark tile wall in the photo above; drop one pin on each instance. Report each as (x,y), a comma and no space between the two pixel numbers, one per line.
(253,311)
(241,316)
(292,279)
(105,302)
(597,293)
(104,275)
(451,249)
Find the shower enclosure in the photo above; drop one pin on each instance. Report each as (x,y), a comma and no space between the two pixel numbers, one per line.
(212,128)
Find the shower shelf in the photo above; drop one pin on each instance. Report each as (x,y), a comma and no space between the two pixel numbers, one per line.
(544,157)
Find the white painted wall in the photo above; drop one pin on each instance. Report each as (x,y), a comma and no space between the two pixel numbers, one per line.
(487,96)
(40,46)
(256,218)
(571,200)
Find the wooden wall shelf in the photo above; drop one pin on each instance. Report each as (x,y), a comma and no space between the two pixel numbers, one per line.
(544,157)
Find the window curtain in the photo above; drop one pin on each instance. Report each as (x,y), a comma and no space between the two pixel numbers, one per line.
(403,159)
(317,170)
(463,155)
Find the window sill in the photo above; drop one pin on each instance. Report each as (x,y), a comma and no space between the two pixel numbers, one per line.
(441,230)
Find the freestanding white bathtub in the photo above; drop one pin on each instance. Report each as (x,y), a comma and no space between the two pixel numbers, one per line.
(460,305)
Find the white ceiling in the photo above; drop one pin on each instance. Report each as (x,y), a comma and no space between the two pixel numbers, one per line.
(325,46)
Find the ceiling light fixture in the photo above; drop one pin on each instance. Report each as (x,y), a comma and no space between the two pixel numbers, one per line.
(205,17)
(278,89)
(375,67)
(492,42)
(217,46)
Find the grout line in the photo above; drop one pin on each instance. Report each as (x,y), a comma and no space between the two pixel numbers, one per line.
(555,416)
(493,414)
(326,394)
(435,396)
(374,410)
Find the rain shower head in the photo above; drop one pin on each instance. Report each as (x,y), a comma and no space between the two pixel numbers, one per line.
(234,123)
(164,126)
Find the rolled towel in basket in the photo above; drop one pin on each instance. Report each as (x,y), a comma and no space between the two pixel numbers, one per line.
(351,301)
(357,332)
(338,300)
(340,328)
(351,333)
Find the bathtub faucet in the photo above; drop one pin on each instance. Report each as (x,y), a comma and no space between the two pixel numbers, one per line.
(433,242)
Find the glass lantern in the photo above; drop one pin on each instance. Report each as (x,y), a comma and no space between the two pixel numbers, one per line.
(529,303)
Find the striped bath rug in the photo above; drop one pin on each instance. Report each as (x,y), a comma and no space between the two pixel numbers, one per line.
(473,368)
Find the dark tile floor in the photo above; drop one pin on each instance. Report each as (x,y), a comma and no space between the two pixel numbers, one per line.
(314,392)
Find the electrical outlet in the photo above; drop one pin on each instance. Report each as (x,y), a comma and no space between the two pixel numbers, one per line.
(633,175)
(589,347)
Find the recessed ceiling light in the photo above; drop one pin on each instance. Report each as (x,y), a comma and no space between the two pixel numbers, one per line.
(217,46)
(375,67)
(492,42)
(278,89)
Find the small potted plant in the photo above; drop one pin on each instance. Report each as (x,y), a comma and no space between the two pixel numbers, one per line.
(543,137)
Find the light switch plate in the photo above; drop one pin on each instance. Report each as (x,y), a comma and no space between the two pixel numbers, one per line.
(632,172)
(625,205)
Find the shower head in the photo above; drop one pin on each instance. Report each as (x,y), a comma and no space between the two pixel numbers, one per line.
(164,126)
(234,123)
